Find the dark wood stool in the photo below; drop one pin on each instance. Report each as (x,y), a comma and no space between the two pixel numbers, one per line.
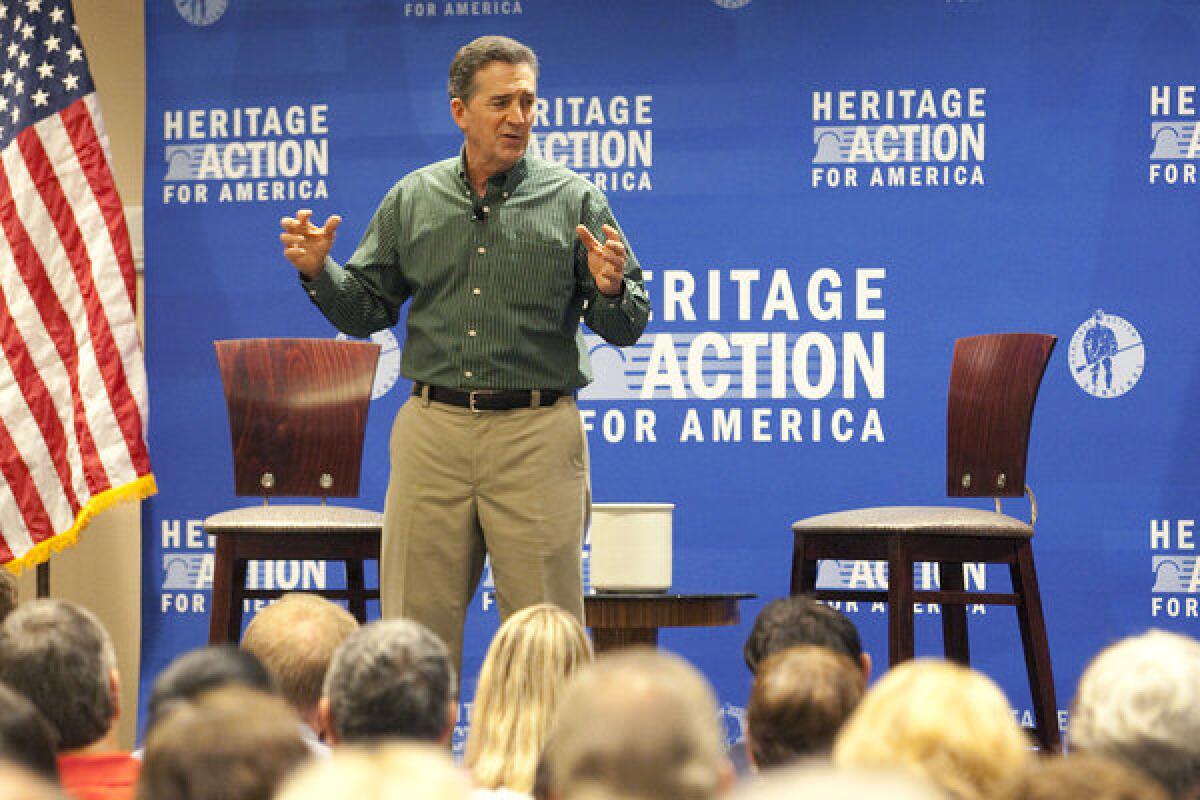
(994,382)
(297,416)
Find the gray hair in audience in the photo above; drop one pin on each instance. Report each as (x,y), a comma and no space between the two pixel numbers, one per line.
(390,679)
(638,724)
(1138,702)
(52,650)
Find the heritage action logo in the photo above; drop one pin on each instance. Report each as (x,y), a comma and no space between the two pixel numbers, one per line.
(187,571)
(464,8)
(246,154)
(837,375)
(899,138)
(1175,135)
(607,139)
(1175,567)
(387,371)
(1107,356)
(201,12)
(873,576)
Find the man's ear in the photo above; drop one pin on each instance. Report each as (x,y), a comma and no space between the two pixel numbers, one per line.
(864,661)
(451,721)
(458,111)
(325,731)
(114,691)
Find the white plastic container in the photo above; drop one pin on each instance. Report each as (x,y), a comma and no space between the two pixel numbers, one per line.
(631,547)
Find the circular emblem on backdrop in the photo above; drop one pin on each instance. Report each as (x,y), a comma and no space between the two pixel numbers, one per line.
(734,718)
(201,12)
(1106,356)
(388,370)
(732,4)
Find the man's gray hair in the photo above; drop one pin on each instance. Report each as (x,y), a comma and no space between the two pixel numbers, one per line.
(390,679)
(1138,702)
(59,655)
(476,55)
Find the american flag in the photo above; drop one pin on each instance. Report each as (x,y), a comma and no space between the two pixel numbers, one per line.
(72,379)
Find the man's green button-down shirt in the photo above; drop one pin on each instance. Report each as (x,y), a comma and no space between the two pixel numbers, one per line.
(498,284)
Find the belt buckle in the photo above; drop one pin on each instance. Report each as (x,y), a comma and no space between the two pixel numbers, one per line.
(471,395)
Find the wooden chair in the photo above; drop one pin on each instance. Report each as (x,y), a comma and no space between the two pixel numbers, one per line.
(297,415)
(993,386)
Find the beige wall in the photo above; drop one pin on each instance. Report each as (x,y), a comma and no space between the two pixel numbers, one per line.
(103,572)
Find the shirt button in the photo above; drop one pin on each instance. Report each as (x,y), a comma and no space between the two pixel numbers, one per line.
(476,290)
(505,195)
(487,210)
(471,332)
(468,374)
(482,250)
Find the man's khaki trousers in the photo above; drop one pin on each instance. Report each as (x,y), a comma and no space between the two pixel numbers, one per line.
(513,484)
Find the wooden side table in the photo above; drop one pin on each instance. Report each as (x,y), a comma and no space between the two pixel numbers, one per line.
(620,620)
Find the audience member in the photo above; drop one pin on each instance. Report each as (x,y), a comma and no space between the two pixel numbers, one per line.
(821,781)
(520,683)
(1138,702)
(801,619)
(8,593)
(639,725)
(201,670)
(389,679)
(800,699)
(1083,777)
(942,721)
(18,783)
(396,771)
(231,743)
(26,738)
(295,638)
(59,656)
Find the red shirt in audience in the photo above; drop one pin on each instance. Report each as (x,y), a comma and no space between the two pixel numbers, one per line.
(99,776)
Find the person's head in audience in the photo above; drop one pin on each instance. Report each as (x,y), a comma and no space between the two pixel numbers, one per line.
(231,743)
(20,783)
(640,725)
(295,638)
(394,771)
(26,738)
(527,665)
(1138,702)
(8,593)
(800,699)
(53,650)
(201,670)
(391,679)
(801,619)
(815,780)
(941,721)
(1083,777)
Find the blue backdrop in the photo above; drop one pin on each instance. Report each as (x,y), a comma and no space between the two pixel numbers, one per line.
(824,196)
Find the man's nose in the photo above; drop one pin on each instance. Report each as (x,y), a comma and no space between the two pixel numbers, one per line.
(517,115)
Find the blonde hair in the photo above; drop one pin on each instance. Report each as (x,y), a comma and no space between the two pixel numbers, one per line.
(398,771)
(520,683)
(941,721)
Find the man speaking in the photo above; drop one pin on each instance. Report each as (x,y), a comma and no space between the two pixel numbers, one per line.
(500,256)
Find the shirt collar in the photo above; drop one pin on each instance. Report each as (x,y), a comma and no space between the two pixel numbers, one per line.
(506,181)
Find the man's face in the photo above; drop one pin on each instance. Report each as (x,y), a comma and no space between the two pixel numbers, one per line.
(496,120)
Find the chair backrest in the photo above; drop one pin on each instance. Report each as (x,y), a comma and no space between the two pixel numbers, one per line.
(297,414)
(994,382)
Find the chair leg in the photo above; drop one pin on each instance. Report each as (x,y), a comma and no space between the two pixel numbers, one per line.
(237,596)
(954,615)
(356,586)
(1036,647)
(804,569)
(222,589)
(900,601)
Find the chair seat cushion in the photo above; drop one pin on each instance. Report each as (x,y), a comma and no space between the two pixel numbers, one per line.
(927,520)
(294,518)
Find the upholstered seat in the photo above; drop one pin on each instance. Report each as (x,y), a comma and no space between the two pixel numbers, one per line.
(994,382)
(297,417)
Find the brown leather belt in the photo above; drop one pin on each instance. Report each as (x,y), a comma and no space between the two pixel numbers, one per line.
(488,399)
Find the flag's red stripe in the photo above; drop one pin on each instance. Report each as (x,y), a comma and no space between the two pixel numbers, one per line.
(84,138)
(108,355)
(20,481)
(57,325)
(41,404)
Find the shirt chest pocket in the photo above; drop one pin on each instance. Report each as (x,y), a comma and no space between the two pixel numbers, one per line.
(535,275)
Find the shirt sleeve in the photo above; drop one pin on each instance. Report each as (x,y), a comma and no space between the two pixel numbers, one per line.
(618,320)
(365,295)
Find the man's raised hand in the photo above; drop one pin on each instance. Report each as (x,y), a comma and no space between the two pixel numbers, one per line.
(306,245)
(605,261)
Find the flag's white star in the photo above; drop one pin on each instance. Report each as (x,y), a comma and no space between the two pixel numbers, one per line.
(27,32)
(34,6)
(52,44)
(3,11)
(17,23)
(75,53)
(7,77)
(40,98)
(19,87)
(56,16)
(3,104)
(45,70)
(13,49)
(16,114)
(71,82)
(23,60)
